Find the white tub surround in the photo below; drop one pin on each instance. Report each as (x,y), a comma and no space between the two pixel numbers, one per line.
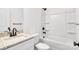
(77,24)
(8,42)
(61,28)
(56,44)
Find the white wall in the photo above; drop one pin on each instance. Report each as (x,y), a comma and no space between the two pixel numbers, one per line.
(4,19)
(8,16)
(16,18)
(32,20)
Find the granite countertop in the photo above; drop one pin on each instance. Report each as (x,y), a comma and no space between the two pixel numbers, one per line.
(7,42)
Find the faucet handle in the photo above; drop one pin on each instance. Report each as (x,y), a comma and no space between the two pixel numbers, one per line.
(76,44)
(9,29)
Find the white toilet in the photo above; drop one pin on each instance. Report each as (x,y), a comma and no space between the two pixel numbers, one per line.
(42,46)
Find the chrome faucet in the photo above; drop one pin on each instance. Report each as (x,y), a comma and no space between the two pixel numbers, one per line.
(13,32)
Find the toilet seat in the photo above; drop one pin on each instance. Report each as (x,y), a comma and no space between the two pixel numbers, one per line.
(42,46)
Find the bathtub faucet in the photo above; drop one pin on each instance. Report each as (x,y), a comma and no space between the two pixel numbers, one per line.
(76,44)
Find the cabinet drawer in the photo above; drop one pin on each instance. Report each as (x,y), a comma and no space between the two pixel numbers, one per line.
(27,45)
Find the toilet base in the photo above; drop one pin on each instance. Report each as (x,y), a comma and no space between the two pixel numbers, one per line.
(42,46)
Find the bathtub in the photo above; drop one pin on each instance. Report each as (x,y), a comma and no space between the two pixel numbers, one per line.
(60,43)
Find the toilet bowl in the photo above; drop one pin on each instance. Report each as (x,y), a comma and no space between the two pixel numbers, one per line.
(42,46)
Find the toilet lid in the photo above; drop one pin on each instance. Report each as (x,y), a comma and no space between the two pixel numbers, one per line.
(42,46)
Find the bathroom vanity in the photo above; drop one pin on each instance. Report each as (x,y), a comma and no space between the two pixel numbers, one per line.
(25,45)
(20,42)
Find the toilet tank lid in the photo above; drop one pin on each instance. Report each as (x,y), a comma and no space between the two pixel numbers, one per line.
(42,46)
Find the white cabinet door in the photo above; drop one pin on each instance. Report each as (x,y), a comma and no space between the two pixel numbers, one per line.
(27,45)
